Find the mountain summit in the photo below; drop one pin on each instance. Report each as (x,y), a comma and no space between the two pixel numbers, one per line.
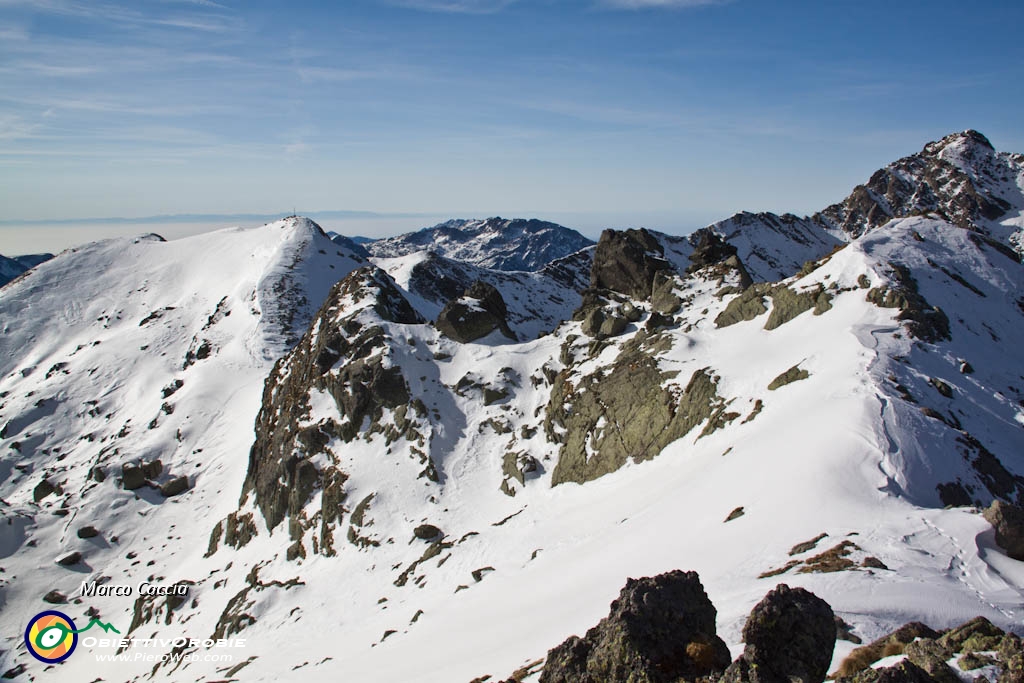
(498,243)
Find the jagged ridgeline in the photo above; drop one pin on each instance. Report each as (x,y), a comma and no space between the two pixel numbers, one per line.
(613,384)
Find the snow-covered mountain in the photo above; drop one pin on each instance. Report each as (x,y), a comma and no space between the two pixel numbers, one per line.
(416,468)
(11,268)
(497,243)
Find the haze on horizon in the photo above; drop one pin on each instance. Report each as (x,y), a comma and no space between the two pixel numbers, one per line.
(592,113)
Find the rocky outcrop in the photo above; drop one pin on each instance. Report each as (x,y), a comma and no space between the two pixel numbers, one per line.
(341,358)
(789,637)
(625,411)
(627,261)
(478,312)
(659,630)
(924,321)
(1008,521)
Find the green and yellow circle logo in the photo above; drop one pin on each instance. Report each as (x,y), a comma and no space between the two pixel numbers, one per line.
(51,637)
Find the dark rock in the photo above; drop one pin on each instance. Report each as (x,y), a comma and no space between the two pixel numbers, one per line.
(591,325)
(132,477)
(941,387)
(479,311)
(626,262)
(966,368)
(174,487)
(630,312)
(613,326)
(88,532)
(789,636)
(42,490)
(845,632)
(659,630)
(708,249)
(663,295)
(98,474)
(55,597)
(70,560)
(735,514)
(426,532)
(1008,522)
(923,320)
(153,469)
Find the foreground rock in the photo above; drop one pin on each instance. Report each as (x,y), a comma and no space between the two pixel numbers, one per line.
(659,630)
(1008,522)
(789,636)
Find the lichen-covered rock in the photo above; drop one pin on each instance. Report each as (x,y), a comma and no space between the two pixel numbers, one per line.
(747,306)
(789,637)
(1008,521)
(477,313)
(626,262)
(1011,657)
(978,634)
(794,374)
(624,411)
(931,656)
(659,630)
(861,658)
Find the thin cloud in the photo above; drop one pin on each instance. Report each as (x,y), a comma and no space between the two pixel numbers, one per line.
(455,6)
(660,4)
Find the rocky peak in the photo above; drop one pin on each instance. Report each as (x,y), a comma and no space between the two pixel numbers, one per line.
(341,361)
(626,261)
(959,178)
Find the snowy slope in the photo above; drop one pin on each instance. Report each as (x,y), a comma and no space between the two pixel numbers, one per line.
(100,365)
(497,243)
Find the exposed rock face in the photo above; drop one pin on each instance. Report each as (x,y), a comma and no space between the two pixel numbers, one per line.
(624,411)
(626,262)
(479,311)
(659,630)
(949,177)
(923,320)
(1008,522)
(789,637)
(342,357)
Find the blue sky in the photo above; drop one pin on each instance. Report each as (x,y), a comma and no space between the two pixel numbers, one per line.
(671,113)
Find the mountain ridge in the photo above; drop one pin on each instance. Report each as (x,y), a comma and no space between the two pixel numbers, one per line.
(484,500)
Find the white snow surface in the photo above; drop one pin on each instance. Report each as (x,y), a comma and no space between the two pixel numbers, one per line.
(838,452)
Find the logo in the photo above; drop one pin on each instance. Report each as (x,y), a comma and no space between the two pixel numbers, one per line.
(51,636)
